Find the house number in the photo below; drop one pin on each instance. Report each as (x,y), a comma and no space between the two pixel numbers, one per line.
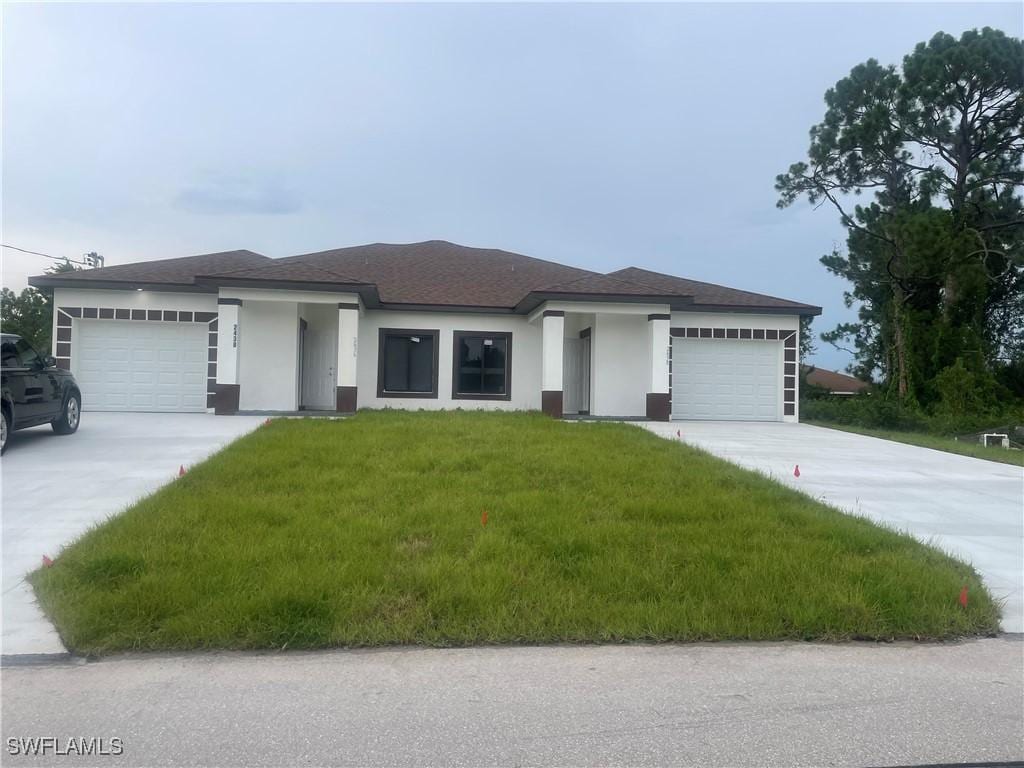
(234,336)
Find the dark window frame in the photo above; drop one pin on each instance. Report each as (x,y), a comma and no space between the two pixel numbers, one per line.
(382,334)
(456,337)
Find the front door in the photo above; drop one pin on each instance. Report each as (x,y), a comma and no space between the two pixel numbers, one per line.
(319,352)
(576,375)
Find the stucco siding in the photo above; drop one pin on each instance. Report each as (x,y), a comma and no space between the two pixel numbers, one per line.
(268,356)
(621,358)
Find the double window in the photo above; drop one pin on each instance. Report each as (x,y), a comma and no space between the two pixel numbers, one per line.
(481,364)
(482,367)
(407,363)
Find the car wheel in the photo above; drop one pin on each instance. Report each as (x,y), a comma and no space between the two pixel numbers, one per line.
(70,416)
(5,429)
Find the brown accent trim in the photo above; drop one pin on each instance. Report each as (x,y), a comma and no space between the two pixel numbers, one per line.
(553,313)
(789,382)
(90,312)
(771,334)
(659,406)
(64,363)
(229,302)
(211,354)
(225,399)
(346,399)
(789,409)
(205,317)
(790,356)
(72,311)
(551,402)
(211,400)
(705,333)
(350,305)
(63,349)
(732,333)
(789,369)
(759,334)
(790,341)
(122,314)
(171,315)
(106,314)
(154,314)
(138,314)
(211,370)
(507,336)
(585,333)
(64,334)
(63,320)
(184,317)
(211,339)
(658,317)
(718,333)
(384,332)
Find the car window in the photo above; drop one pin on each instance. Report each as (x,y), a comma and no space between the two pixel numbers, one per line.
(9,355)
(27,356)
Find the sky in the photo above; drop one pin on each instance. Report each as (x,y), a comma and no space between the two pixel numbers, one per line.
(598,135)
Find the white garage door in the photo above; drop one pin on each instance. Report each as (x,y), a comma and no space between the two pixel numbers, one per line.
(140,366)
(726,379)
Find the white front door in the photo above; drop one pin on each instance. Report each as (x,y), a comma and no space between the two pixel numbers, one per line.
(130,365)
(727,379)
(576,375)
(319,358)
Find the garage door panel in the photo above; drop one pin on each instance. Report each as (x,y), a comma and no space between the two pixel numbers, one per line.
(725,379)
(141,366)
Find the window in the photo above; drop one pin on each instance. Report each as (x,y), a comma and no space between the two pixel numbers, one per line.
(482,369)
(28,357)
(9,355)
(407,363)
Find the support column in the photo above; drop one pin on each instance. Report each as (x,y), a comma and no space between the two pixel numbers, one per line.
(225,399)
(348,355)
(659,405)
(552,341)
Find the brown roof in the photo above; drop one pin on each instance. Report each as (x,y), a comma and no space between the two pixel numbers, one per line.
(179,271)
(833,381)
(709,294)
(432,273)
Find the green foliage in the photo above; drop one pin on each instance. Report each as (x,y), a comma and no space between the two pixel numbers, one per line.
(27,314)
(934,260)
(367,531)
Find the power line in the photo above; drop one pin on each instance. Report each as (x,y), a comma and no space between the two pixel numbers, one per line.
(44,255)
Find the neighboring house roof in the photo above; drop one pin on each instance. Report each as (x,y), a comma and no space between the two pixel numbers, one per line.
(435,273)
(833,381)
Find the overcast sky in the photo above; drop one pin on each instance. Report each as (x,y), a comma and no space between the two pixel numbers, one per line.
(595,135)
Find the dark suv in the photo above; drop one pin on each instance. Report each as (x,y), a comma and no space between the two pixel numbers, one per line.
(33,390)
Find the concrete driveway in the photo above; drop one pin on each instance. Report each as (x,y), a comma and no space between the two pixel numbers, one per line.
(56,488)
(971,508)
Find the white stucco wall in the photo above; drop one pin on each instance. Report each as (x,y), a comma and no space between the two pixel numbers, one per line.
(526,358)
(621,360)
(268,356)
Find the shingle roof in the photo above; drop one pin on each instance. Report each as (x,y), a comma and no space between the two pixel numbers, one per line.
(709,294)
(432,273)
(437,272)
(179,271)
(834,381)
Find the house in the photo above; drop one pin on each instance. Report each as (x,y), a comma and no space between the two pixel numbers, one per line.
(833,382)
(424,325)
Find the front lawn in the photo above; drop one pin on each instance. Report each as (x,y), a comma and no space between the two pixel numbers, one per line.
(369,531)
(937,442)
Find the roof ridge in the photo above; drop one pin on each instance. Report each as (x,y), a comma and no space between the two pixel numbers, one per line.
(278,263)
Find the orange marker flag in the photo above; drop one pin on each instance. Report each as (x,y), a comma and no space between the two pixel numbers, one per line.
(963,597)
(483,518)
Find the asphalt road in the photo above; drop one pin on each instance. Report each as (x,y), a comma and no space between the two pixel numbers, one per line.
(707,705)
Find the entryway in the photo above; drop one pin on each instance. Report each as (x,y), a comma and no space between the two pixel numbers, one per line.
(318,357)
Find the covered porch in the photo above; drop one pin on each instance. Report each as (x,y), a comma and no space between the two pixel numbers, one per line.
(285,351)
(605,360)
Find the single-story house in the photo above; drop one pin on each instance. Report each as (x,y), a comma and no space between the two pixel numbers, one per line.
(839,384)
(423,325)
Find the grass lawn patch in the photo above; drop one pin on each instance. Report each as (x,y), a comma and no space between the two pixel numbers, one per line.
(937,442)
(369,531)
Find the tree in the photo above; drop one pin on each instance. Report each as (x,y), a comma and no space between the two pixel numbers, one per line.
(935,259)
(29,314)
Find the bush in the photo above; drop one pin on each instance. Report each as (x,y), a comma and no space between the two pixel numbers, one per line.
(868,410)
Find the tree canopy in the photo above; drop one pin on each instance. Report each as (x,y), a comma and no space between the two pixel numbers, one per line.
(934,258)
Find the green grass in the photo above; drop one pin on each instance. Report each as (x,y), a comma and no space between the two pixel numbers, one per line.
(367,531)
(937,442)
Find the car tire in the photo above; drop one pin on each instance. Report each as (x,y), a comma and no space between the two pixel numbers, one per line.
(70,415)
(5,431)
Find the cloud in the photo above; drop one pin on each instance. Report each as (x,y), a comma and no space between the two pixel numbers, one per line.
(237,195)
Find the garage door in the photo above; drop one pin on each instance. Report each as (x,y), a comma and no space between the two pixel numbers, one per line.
(726,379)
(141,366)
